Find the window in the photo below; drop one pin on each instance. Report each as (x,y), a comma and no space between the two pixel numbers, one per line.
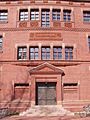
(70,84)
(45,53)
(34,53)
(56,14)
(57,53)
(22,53)
(3,15)
(86,16)
(1,40)
(68,53)
(21,91)
(34,14)
(67,15)
(89,42)
(21,84)
(70,91)
(23,14)
(45,18)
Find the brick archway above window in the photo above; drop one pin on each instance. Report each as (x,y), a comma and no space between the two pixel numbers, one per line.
(46,68)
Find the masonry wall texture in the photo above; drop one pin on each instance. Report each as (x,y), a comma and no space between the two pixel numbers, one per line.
(18,78)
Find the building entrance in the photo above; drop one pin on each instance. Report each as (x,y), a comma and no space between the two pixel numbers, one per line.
(46,93)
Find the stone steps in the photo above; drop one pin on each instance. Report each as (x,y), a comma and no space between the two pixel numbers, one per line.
(48,110)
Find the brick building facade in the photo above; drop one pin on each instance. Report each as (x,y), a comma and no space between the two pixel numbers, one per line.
(44,53)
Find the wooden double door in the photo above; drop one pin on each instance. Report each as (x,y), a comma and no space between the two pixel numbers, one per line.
(46,93)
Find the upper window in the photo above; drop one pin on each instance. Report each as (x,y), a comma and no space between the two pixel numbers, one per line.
(67,15)
(3,15)
(86,16)
(68,53)
(34,14)
(57,53)
(89,42)
(34,53)
(45,17)
(45,53)
(1,41)
(56,14)
(22,53)
(23,14)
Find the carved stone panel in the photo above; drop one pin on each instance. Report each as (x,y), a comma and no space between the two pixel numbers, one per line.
(23,24)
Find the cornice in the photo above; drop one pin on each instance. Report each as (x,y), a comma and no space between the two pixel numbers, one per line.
(45,29)
(33,63)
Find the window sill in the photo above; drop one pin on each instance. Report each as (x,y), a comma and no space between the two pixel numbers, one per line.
(3,22)
(1,51)
(86,22)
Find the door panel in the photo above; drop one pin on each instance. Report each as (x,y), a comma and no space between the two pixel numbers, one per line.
(45,93)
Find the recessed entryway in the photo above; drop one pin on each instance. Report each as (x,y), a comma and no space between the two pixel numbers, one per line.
(45,93)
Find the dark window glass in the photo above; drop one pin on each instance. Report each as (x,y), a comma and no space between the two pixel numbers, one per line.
(89,42)
(22,53)
(69,84)
(23,14)
(34,53)
(45,18)
(86,16)
(34,14)
(1,41)
(45,53)
(56,14)
(68,53)
(67,15)
(3,15)
(57,53)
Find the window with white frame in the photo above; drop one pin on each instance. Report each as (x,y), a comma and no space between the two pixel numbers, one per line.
(1,41)
(34,14)
(56,14)
(22,53)
(89,42)
(23,15)
(3,15)
(86,16)
(67,15)
(45,18)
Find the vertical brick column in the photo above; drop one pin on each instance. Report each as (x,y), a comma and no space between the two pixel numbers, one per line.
(51,22)
(61,14)
(40,17)
(16,52)
(63,51)
(59,90)
(27,52)
(72,16)
(33,90)
(51,51)
(40,57)
(74,52)
(17,17)
(28,13)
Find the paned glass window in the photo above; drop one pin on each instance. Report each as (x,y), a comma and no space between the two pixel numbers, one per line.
(68,53)
(34,53)
(86,16)
(34,14)
(45,53)
(3,15)
(45,18)
(67,15)
(57,53)
(23,14)
(22,53)
(56,14)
